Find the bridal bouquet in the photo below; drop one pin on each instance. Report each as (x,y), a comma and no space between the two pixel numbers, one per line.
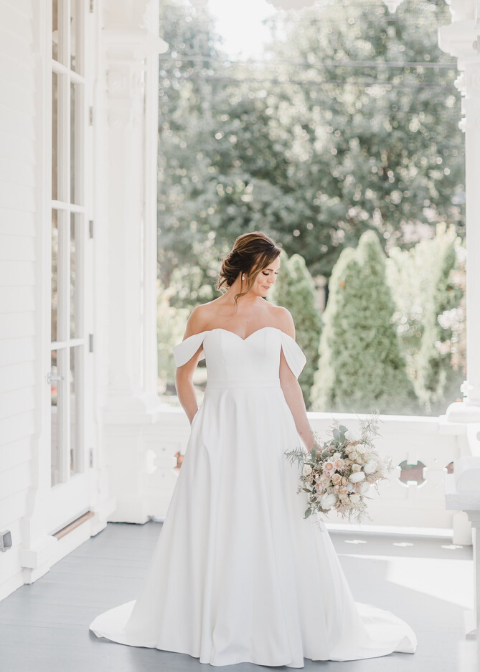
(338,473)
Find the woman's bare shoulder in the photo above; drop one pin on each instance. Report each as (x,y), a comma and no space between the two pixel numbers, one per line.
(282,319)
(199,318)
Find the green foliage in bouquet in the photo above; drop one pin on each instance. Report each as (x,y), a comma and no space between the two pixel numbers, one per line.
(338,473)
(295,290)
(362,368)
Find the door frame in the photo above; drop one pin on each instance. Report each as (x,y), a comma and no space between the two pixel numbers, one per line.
(71,496)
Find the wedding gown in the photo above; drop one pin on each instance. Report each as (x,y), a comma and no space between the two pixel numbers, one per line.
(238,575)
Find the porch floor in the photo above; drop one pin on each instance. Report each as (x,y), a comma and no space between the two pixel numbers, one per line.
(44,626)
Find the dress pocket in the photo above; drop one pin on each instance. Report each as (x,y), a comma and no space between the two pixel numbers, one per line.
(194,419)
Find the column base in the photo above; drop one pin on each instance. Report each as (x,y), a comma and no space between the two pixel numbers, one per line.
(470,624)
(460,411)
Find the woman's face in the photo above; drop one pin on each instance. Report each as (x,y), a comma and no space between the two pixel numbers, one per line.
(266,278)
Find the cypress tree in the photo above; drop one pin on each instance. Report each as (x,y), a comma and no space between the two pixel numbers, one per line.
(361,367)
(438,382)
(295,290)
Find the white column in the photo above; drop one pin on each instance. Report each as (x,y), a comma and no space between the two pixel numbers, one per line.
(462,493)
(462,488)
(461,39)
(132,46)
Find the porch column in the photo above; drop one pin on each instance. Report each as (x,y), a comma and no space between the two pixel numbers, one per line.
(132,46)
(462,39)
(462,493)
(131,53)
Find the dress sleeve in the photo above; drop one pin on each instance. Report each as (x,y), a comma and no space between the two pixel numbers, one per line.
(294,355)
(185,350)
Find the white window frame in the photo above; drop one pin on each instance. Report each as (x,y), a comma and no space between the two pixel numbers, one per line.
(70,494)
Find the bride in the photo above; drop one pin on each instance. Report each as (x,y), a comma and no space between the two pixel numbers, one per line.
(238,575)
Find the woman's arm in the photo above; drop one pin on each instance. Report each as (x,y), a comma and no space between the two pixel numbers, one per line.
(184,374)
(292,390)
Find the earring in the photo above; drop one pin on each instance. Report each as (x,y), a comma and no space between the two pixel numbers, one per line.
(243,277)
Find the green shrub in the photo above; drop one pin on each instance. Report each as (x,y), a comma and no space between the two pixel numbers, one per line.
(438,382)
(295,290)
(362,368)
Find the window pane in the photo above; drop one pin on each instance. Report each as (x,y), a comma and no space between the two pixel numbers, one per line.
(74,35)
(55,128)
(54,309)
(75,408)
(55,30)
(56,412)
(74,136)
(73,270)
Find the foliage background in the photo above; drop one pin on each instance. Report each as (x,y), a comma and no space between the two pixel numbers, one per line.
(349,124)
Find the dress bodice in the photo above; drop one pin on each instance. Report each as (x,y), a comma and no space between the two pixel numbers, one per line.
(232,358)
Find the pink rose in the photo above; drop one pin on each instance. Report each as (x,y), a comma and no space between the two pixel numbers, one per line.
(339,464)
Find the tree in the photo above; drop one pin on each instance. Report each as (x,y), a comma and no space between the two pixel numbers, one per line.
(295,290)
(221,170)
(413,277)
(306,146)
(437,379)
(367,151)
(170,330)
(361,365)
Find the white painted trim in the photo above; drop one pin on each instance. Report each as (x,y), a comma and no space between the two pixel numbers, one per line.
(71,207)
(61,69)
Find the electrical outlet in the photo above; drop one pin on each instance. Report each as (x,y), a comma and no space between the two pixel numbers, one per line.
(5,540)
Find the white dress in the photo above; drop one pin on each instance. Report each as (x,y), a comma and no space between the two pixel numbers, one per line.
(238,575)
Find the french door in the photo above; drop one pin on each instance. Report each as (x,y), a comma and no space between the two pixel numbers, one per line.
(70,375)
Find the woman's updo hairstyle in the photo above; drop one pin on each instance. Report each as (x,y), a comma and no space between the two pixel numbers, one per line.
(250,253)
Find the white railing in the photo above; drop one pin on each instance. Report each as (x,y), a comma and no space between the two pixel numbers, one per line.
(397,504)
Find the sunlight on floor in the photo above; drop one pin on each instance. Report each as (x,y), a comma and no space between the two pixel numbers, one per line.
(448,580)
(468,656)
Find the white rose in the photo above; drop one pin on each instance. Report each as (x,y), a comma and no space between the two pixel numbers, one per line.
(328,500)
(336,456)
(355,498)
(370,467)
(356,467)
(307,470)
(356,477)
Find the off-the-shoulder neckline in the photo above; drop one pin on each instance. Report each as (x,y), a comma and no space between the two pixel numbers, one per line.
(206,331)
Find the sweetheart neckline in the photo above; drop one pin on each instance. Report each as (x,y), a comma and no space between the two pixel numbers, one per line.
(206,331)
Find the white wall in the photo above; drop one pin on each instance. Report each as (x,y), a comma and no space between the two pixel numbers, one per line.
(117,62)
(17,274)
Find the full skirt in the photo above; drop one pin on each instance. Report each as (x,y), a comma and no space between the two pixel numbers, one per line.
(238,574)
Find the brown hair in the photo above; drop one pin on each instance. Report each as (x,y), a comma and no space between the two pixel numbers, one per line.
(250,253)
